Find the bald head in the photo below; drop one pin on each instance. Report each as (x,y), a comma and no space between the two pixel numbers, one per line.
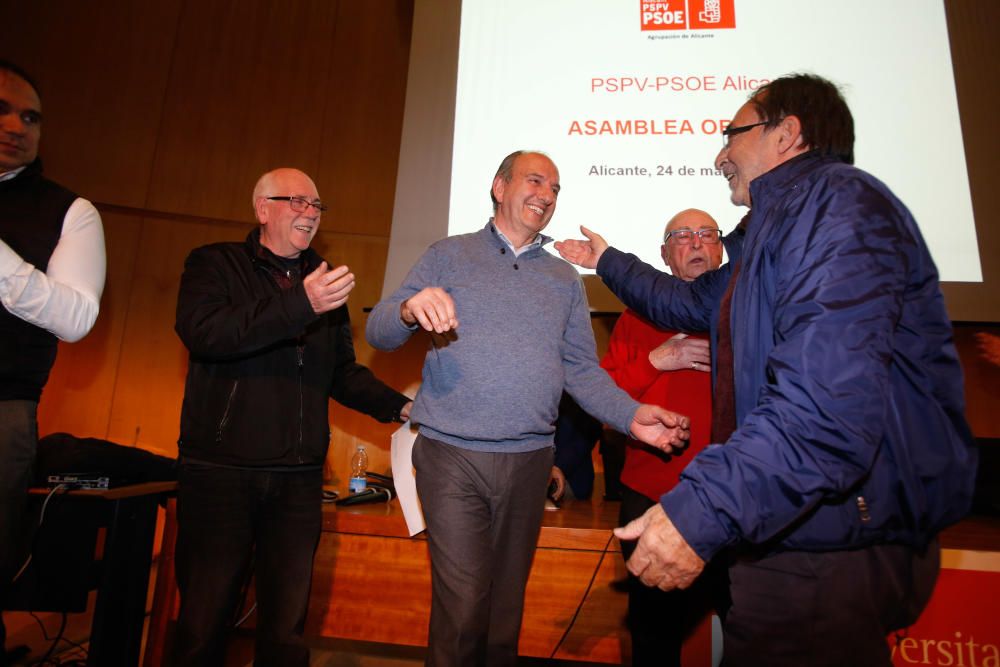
(285,230)
(273,183)
(692,218)
(691,258)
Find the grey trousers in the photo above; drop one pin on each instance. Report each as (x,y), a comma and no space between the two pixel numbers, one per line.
(483,513)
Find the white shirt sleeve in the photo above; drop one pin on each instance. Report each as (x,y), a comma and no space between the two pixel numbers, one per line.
(66,299)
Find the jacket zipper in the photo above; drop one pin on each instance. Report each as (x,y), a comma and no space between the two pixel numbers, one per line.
(225,414)
(299,353)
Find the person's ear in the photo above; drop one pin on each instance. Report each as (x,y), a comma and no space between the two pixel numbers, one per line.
(789,134)
(498,188)
(260,209)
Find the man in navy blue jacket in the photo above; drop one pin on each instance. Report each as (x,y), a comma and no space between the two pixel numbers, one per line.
(838,396)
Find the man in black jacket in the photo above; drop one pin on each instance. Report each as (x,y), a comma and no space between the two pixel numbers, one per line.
(269,337)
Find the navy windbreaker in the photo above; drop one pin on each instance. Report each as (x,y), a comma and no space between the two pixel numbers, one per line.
(849,394)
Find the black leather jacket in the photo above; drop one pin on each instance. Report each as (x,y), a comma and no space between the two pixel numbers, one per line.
(263,364)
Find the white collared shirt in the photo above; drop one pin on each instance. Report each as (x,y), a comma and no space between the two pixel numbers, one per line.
(538,241)
(66,298)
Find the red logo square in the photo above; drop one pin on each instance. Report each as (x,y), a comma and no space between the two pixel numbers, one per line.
(663,14)
(711,14)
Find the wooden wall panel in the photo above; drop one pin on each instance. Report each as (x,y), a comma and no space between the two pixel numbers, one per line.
(364,255)
(77,398)
(146,406)
(246,94)
(364,114)
(102,68)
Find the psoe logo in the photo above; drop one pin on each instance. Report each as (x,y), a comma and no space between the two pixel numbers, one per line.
(687,14)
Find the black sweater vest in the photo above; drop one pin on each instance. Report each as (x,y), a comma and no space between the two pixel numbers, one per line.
(32,209)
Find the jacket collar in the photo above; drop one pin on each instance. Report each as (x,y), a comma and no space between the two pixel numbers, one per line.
(261,256)
(786,175)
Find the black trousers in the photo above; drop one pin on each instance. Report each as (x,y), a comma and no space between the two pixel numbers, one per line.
(830,609)
(659,621)
(226,520)
(18,443)
(483,513)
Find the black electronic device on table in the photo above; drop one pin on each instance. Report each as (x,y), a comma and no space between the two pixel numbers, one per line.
(380,489)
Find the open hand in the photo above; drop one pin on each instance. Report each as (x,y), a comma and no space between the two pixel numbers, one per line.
(328,288)
(583,253)
(558,478)
(432,307)
(660,428)
(663,558)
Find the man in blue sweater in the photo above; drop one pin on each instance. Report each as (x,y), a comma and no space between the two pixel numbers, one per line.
(838,395)
(489,401)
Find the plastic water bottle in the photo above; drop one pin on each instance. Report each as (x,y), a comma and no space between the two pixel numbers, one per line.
(359,470)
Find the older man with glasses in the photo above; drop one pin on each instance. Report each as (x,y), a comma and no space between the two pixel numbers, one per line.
(666,368)
(838,397)
(269,336)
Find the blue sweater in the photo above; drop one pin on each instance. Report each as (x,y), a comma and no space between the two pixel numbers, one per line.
(523,335)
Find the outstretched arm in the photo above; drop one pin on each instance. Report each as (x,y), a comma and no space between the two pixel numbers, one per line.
(663,558)
(583,253)
(418,303)
(660,428)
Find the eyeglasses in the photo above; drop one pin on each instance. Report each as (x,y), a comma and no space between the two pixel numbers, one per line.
(301,204)
(685,236)
(739,129)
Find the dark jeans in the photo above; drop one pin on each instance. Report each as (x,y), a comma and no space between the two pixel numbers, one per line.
(228,519)
(659,621)
(830,609)
(483,513)
(18,442)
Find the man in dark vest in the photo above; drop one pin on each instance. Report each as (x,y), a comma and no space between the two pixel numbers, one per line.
(51,279)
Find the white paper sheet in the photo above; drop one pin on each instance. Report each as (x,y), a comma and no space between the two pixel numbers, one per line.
(403,478)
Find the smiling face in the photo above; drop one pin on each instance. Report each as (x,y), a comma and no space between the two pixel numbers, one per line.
(747,155)
(528,200)
(688,261)
(20,121)
(283,231)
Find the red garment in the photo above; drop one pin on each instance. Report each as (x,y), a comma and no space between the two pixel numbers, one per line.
(647,470)
(724,417)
